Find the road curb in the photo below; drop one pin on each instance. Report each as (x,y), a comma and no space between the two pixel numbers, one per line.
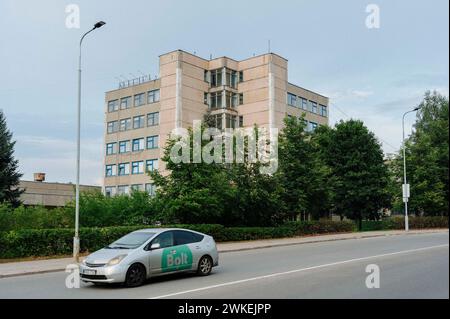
(318,240)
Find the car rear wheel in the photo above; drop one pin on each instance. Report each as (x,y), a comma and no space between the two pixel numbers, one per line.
(204,266)
(135,276)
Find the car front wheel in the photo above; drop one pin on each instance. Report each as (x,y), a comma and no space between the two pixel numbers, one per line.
(135,276)
(204,266)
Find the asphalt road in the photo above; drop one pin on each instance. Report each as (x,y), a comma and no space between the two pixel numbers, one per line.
(411,266)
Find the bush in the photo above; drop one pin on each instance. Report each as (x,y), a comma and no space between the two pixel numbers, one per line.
(394,223)
(50,242)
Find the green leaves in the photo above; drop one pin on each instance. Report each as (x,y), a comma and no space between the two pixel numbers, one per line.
(9,175)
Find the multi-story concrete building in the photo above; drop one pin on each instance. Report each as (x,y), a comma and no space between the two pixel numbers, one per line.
(140,115)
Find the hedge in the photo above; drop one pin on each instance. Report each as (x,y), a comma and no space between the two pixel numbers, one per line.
(50,242)
(394,223)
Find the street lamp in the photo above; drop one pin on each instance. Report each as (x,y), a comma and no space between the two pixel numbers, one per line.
(405,186)
(76,239)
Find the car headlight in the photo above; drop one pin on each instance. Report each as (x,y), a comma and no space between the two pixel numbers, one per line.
(115,260)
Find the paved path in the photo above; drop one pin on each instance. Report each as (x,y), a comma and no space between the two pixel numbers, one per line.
(411,266)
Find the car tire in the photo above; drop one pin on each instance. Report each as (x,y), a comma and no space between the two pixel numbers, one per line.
(205,265)
(136,276)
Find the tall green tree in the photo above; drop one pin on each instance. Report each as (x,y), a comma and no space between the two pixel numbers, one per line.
(427,159)
(9,175)
(358,176)
(302,173)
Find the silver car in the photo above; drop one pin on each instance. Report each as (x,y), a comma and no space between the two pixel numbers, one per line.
(150,252)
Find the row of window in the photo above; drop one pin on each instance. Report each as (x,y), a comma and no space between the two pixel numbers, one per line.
(216,77)
(137,167)
(135,145)
(310,126)
(138,122)
(231,121)
(125,189)
(139,99)
(232,99)
(307,105)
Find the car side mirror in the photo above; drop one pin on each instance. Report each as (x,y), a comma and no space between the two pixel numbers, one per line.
(155,246)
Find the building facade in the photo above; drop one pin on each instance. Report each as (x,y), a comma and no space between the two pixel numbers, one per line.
(140,116)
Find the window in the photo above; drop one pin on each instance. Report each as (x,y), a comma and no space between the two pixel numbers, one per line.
(230,121)
(153,119)
(231,100)
(323,110)
(312,126)
(304,105)
(241,98)
(241,76)
(138,121)
(124,169)
(124,147)
(164,240)
(241,121)
(110,191)
(205,76)
(138,144)
(123,189)
(216,77)
(137,167)
(125,124)
(218,119)
(183,237)
(152,142)
(313,106)
(111,148)
(139,99)
(137,187)
(125,102)
(153,96)
(113,105)
(150,189)
(110,170)
(216,100)
(231,78)
(151,165)
(113,127)
(292,99)
(205,98)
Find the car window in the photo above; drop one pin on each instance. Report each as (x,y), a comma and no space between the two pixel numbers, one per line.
(130,241)
(185,237)
(165,239)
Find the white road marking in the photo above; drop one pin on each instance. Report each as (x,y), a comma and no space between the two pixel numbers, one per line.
(295,271)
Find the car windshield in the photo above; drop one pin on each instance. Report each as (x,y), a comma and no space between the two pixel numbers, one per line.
(131,241)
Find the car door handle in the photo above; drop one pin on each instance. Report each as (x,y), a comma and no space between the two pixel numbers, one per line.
(174,251)
(197,247)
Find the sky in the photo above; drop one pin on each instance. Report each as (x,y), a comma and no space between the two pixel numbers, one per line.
(371,74)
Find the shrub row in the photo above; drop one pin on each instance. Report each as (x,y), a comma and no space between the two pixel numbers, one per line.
(48,242)
(394,223)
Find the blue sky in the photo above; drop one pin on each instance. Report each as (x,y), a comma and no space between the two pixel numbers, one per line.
(370,74)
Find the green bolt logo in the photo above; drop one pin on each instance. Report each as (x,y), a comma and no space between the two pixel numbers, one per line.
(177,258)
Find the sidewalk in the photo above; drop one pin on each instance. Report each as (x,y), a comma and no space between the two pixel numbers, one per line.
(53,265)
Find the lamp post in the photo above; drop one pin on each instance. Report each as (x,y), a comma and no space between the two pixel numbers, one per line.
(405,186)
(76,239)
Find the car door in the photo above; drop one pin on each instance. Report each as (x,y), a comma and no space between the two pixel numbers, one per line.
(187,243)
(157,257)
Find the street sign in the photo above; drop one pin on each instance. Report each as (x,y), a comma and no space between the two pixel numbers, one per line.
(406,193)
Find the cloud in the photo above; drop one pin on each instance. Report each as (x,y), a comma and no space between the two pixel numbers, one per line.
(57,158)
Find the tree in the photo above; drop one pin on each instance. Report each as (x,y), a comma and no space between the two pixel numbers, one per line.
(358,176)
(427,159)
(9,175)
(302,174)
(192,192)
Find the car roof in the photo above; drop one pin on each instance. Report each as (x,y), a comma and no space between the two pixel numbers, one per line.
(160,230)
